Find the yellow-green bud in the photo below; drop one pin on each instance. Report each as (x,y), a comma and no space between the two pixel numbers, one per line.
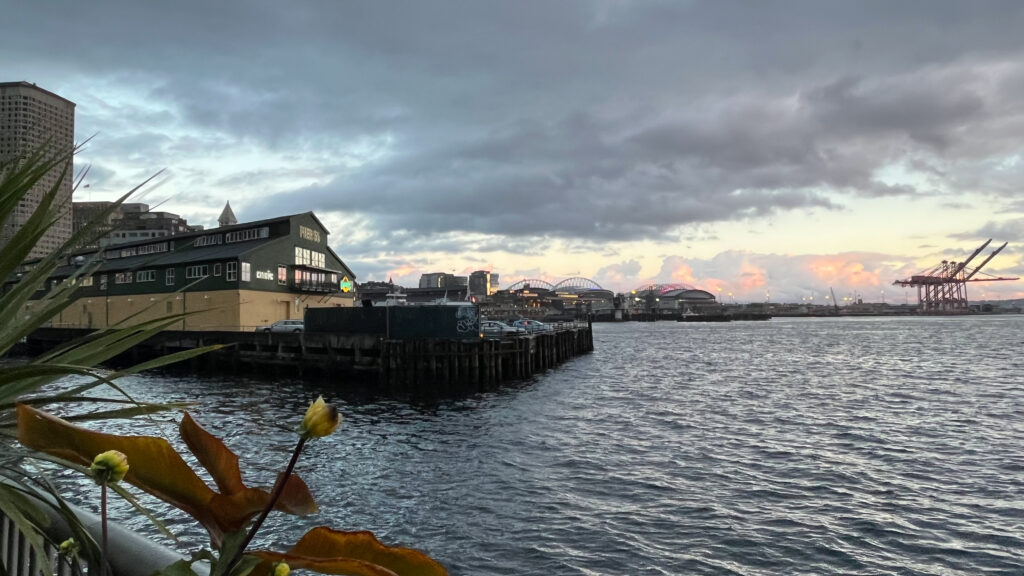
(281,569)
(69,547)
(110,466)
(320,420)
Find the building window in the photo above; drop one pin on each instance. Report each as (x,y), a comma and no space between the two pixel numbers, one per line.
(197,271)
(282,274)
(123,278)
(246,271)
(169,277)
(153,248)
(231,272)
(250,234)
(145,276)
(103,281)
(209,240)
(307,257)
(216,269)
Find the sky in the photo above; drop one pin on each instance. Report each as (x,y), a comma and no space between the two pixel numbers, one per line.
(757,150)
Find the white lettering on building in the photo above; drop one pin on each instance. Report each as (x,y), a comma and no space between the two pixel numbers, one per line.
(264,275)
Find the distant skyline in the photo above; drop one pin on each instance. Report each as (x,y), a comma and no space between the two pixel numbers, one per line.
(767,149)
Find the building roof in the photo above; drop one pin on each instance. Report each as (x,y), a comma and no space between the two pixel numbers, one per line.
(219,252)
(24,84)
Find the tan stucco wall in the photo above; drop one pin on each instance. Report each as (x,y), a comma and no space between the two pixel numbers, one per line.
(262,308)
(242,310)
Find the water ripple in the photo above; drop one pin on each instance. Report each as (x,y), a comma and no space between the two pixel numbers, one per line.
(827,446)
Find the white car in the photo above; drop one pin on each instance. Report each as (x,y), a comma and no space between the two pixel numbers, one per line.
(287,326)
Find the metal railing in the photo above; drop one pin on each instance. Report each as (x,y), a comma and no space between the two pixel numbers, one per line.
(19,559)
(129,553)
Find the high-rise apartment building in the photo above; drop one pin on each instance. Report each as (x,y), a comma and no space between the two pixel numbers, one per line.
(31,117)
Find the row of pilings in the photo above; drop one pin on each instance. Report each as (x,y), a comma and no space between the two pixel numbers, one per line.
(421,367)
(446,366)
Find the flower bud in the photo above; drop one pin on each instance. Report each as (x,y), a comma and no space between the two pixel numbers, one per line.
(110,466)
(320,420)
(281,569)
(69,547)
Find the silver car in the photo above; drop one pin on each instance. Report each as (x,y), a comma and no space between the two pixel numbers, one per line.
(288,326)
(533,326)
(495,329)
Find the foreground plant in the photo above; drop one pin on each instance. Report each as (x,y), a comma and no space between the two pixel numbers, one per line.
(21,486)
(109,467)
(226,514)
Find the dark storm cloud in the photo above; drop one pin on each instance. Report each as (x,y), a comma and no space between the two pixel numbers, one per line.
(1005,231)
(595,121)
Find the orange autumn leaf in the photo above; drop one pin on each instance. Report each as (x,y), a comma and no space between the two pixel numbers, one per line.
(158,469)
(222,464)
(352,554)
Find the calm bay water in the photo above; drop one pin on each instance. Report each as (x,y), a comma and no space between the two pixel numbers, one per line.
(794,446)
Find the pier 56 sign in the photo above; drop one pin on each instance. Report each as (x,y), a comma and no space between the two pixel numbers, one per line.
(307,233)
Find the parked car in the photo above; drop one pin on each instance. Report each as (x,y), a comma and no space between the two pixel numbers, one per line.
(532,326)
(284,326)
(495,329)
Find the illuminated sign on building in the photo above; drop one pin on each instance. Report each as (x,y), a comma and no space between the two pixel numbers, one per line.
(264,275)
(345,284)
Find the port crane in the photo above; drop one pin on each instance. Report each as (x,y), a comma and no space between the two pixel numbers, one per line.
(942,289)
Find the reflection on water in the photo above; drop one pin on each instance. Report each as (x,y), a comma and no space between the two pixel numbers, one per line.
(795,446)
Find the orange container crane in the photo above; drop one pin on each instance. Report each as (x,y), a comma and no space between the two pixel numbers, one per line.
(943,288)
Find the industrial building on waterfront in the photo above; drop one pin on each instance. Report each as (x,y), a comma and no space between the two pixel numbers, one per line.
(231,278)
(30,118)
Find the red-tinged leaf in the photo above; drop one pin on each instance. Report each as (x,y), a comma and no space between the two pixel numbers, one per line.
(238,500)
(296,498)
(153,465)
(353,554)
(218,459)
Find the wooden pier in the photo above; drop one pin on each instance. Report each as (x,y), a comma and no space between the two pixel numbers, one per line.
(411,366)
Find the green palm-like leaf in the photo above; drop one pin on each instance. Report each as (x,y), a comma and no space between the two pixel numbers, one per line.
(24,283)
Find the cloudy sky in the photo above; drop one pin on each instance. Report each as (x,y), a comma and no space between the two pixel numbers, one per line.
(751,148)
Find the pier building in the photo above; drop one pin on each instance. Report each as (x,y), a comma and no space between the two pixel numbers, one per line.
(230,278)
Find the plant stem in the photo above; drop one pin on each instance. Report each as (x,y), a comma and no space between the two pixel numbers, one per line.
(274,496)
(104,562)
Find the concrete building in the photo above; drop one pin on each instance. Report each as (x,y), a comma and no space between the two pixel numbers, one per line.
(442,280)
(138,222)
(233,278)
(483,283)
(31,117)
(129,222)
